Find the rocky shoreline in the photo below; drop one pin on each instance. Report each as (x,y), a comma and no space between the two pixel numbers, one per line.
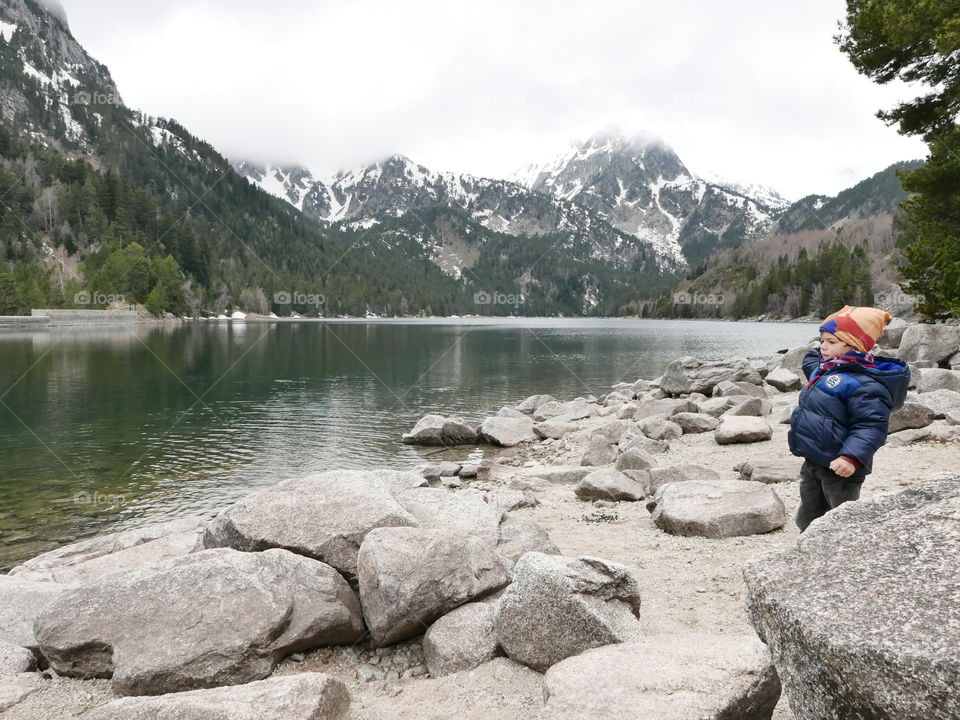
(594,567)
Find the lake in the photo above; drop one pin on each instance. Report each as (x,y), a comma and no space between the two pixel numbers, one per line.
(103,429)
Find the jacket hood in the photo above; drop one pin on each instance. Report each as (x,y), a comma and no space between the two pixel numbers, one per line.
(893,374)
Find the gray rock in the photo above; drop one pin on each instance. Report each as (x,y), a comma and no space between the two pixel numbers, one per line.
(875,636)
(304,696)
(505,500)
(716,406)
(324,516)
(469,470)
(15,659)
(893,333)
(14,689)
(507,432)
(792,360)
(627,411)
(557,607)
(660,476)
(612,430)
(944,403)
(646,445)
(954,361)
(664,407)
(784,380)
(429,471)
(438,430)
(695,422)
(717,509)
(931,432)
(409,577)
(912,415)
(657,428)
(519,536)
(534,402)
(688,374)
(560,474)
(90,559)
(742,429)
(668,677)
(461,640)
(600,452)
(726,389)
(752,406)
(466,512)
(452,483)
(608,484)
(449,469)
(20,603)
(553,430)
(547,410)
(578,409)
(635,459)
(938,379)
(786,414)
(217,617)
(509,412)
(772,471)
(933,343)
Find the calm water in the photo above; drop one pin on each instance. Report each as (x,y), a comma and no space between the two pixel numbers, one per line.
(103,429)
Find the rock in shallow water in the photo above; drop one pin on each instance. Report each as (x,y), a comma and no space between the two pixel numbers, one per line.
(675,677)
(863,615)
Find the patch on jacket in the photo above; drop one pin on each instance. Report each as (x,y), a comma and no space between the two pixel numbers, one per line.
(833,381)
(839,385)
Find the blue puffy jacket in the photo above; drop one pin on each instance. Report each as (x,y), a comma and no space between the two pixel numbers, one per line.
(847,410)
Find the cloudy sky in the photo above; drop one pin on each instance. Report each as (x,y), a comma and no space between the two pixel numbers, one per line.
(752,91)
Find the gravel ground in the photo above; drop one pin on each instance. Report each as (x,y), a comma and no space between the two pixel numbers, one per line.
(687,584)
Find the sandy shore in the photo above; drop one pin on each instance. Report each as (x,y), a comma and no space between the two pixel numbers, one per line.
(687,584)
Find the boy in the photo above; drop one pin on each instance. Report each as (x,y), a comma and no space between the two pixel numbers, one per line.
(842,415)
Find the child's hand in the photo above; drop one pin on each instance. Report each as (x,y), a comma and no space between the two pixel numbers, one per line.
(843,468)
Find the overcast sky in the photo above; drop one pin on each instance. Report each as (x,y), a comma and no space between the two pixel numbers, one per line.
(752,91)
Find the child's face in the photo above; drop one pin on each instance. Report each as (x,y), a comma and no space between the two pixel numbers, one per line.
(831,345)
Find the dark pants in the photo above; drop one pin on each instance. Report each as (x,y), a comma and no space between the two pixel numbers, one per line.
(821,489)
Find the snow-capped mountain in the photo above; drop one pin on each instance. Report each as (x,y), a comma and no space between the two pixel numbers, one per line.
(629,193)
(641,187)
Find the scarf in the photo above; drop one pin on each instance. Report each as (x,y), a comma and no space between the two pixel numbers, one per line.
(854,357)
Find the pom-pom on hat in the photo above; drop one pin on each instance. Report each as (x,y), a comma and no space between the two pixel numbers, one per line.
(858,327)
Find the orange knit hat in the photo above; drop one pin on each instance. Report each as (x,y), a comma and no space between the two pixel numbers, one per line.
(858,327)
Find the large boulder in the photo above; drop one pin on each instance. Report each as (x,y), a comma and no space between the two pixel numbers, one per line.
(464,511)
(304,696)
(695,422)
(742,429)
(461,640)
(717,509)
(910,415)
(409,577)
(938,379)
(792,360)
(875,635)
(507,432)
(717,406)
(688,374)
(608,484)
(772,471)
(217,617)
(635,459)
(20,603)
(324,516)
(519,536)
(893,333)
(663,407)
(670,677)
(600,451)
(557,607)
(550,429)
(439,430)
(944,403)
(90,559)
(784,380)
(933,343)
(747,406)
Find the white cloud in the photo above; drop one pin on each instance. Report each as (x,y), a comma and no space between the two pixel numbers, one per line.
(754,91)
